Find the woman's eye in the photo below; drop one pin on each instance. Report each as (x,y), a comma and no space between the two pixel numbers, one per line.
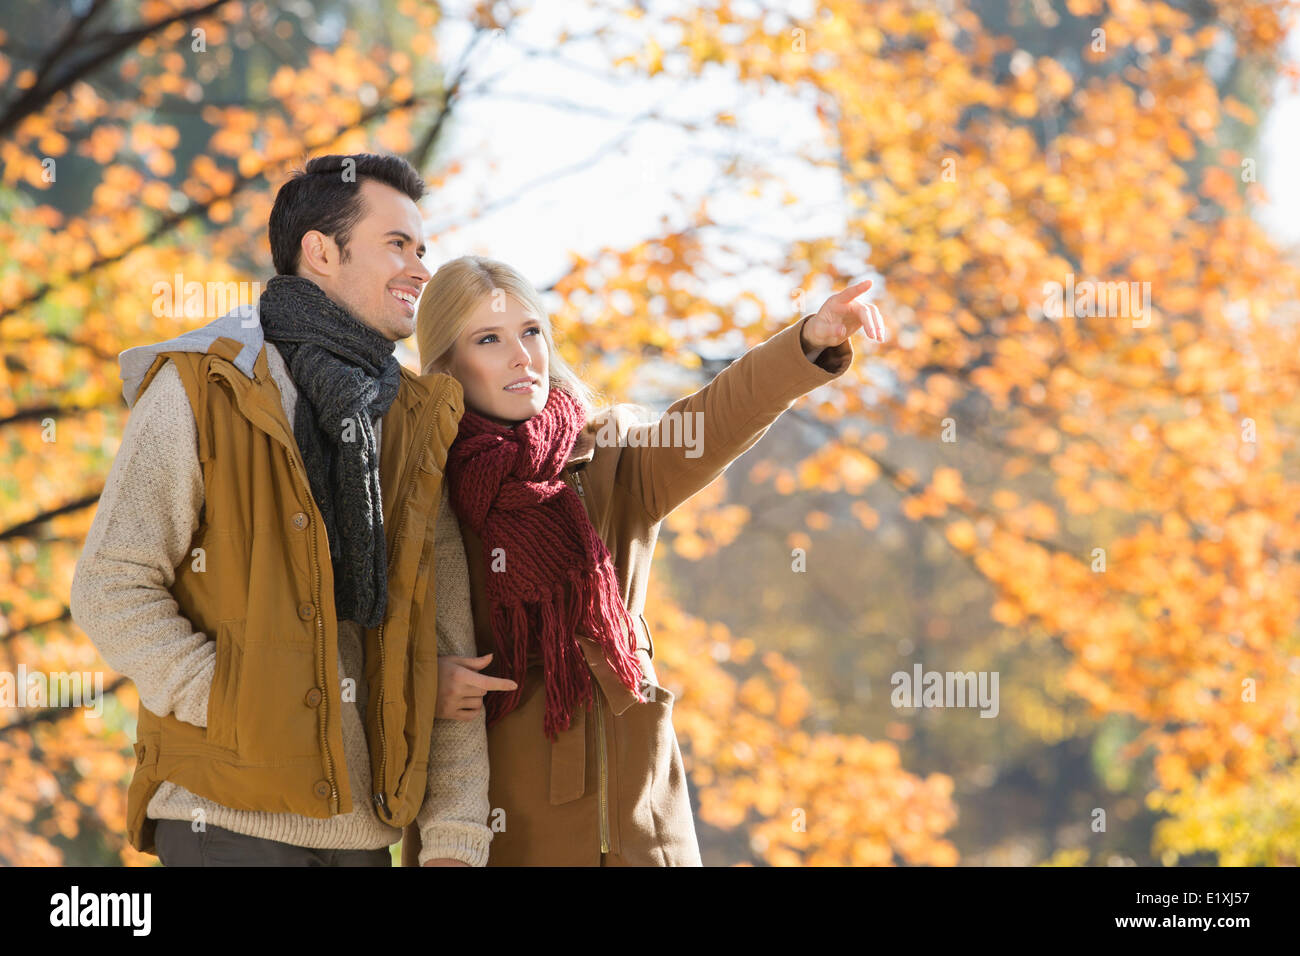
(493,335)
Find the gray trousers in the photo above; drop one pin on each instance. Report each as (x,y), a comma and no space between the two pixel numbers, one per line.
(179,845)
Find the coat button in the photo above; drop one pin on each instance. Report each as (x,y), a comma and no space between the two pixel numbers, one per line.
(300,521)
(306,611)
(322,789)
(313,697)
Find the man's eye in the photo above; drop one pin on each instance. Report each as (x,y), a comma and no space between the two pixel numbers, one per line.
(397,242)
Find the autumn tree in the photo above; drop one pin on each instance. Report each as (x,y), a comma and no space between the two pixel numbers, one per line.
(144,142)
(1085,412)
(1091,394)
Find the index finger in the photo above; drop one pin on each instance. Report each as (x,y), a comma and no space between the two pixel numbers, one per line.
(855,290)
(489,683)
(470,663)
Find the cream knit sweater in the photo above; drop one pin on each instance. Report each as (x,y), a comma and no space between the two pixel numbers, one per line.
(147,516)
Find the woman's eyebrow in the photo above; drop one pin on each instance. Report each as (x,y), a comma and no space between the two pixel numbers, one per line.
(497,328)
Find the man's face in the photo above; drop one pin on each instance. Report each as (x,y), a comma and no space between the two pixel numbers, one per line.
(383,275)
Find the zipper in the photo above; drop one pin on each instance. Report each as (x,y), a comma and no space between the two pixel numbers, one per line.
(380,800)
(320,628)
(602,758)
(602,761)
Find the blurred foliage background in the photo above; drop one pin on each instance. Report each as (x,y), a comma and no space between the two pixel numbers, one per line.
(1094,503)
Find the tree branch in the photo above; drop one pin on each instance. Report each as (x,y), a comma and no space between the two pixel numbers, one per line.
(55,714)
(43,90)
(25,528)
(173,220)
(65,616)
(37,412)
(420,153)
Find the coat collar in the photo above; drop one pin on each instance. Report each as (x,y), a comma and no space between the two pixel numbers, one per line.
(584,447)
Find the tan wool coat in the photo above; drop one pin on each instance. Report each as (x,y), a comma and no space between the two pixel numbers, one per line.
(612,789)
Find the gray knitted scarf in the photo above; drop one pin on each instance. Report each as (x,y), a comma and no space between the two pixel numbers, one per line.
(341,368)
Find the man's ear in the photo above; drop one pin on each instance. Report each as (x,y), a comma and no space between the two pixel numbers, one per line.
(319,253)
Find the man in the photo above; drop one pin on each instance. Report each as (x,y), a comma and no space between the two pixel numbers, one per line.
(276,514)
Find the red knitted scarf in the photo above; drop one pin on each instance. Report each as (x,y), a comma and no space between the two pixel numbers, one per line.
(558,579)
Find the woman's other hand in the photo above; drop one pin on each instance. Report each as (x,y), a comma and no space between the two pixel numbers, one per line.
(840,316)
(461,687)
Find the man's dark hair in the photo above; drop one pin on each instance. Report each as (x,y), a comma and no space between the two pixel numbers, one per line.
(326,195)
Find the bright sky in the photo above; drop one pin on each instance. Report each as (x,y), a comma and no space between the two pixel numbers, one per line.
(1281,162)
(523,134)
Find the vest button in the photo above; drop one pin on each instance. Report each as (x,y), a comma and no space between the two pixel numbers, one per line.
(322,789)
(313,697)
(300,521)
(306,611)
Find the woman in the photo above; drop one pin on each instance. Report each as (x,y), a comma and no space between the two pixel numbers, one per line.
(559,507)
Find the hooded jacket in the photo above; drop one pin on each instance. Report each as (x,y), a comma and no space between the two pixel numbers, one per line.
(257,588)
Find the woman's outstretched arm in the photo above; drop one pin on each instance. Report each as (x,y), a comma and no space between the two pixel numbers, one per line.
(666,461)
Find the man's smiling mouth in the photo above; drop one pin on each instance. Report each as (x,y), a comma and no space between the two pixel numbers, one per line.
(405,297)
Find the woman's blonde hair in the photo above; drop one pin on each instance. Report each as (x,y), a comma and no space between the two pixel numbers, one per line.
(451,297)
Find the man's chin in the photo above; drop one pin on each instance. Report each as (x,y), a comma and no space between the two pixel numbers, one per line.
(396,329)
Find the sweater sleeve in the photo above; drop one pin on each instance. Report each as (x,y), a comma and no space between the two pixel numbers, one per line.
(143,526)
(452,819)
(661,468)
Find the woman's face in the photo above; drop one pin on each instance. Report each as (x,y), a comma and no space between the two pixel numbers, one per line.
(501,362)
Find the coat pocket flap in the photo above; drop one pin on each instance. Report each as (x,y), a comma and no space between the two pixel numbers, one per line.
(620,697)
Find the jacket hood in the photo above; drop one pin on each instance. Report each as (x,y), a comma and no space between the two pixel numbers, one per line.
(241,324)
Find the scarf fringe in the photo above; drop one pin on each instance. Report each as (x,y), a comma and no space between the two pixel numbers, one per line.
(543,626)
(559,582)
